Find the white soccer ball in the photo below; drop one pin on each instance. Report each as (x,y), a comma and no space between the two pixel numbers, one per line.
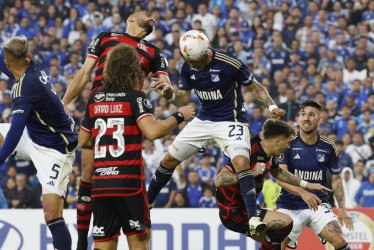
(193,44)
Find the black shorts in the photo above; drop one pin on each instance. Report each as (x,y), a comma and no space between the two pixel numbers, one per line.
(131,213)
(238,220)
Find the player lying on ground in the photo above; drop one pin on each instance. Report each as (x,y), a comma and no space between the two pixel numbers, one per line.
(233,214)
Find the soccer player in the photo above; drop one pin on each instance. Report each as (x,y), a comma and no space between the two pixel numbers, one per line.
(309,157)
(139,25)
(277,136)
(217,79)
(117,115)
(52,138)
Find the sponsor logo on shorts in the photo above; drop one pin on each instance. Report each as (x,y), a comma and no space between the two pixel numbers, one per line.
(51,183)
(107,171)
(98,231)
(86,198)
(135,225)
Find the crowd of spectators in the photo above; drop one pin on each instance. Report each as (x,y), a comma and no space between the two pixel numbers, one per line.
(298,49)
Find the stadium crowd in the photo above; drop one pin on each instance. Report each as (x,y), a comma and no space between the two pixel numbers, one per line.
(298,49)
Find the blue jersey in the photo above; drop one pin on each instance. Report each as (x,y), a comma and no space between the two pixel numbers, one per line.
(218,87)
(48,125)
(310,163)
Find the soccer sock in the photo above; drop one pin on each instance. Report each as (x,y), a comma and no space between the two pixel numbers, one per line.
(159,180)
(248,191)
(274,238)
(60,234)
(345,247)
(84,211)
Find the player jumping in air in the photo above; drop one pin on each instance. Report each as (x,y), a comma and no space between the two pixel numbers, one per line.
(217,79)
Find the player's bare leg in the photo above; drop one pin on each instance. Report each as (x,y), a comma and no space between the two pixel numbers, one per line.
(285,243)
(279,225)
(137,242)
(106,245)
(333,233)
(84,207)
(52,207)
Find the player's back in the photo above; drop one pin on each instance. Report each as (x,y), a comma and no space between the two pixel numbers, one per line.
(150,56)
(310,163)
(48,124)
(117,140)
(218,87)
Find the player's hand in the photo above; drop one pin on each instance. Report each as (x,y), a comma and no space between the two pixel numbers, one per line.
(67,111)
(162,87)
(345,219)
(311,200)
(188,112)
(277,113)
(258,169)
(317,187)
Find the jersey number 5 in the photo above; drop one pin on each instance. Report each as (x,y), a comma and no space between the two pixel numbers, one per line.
(100,151)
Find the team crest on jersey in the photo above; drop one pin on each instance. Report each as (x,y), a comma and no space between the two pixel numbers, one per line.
(99,97)
(321,157)
(215,77)
(147,103)
(281,157)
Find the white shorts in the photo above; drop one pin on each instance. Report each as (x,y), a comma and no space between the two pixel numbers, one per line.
(200,133)
(315,220)
(53,168)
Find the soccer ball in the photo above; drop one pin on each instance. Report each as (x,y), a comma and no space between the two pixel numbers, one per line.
(193,44)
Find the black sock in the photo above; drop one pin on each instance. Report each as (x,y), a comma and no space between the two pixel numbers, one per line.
(248,191)
(159,180)
(274,238)
(84,211)
(60,233)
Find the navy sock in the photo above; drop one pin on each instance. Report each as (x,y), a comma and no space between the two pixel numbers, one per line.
(159,180)
(84,211)
(345,247)
(60,233)
(248,191)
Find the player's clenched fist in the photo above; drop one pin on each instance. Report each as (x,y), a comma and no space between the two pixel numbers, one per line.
(277,113)
(188,112)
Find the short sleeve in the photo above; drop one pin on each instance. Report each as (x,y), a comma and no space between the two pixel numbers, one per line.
(86,123)
(94,49)
(160,65)
(244,76)
(333,161)
(185,79)
(141,106)
(284,157)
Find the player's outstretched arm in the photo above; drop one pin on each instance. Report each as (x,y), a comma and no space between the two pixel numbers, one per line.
(79,82)
(264,98)
(337,187)
(153,129)
(179,99)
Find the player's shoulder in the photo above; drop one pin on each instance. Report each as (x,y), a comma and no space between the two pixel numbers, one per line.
(223,57)
(327,142)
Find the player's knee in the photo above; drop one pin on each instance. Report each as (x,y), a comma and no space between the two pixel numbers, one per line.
(338,241)
(240,163)
(287,219)
(170,162)
(50,214)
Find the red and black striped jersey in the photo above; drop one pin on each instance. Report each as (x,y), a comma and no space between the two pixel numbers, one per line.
(150,57)
(229,198)
(112,120)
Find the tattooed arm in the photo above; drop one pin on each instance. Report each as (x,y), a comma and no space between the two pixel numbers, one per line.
(264,98)
(337,187)
(226,178)
(182,97)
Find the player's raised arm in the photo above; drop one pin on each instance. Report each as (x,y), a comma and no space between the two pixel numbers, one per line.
(264,98)
(79,82)
(179,98)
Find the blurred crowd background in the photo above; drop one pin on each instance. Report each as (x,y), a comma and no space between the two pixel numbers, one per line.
(298,49)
